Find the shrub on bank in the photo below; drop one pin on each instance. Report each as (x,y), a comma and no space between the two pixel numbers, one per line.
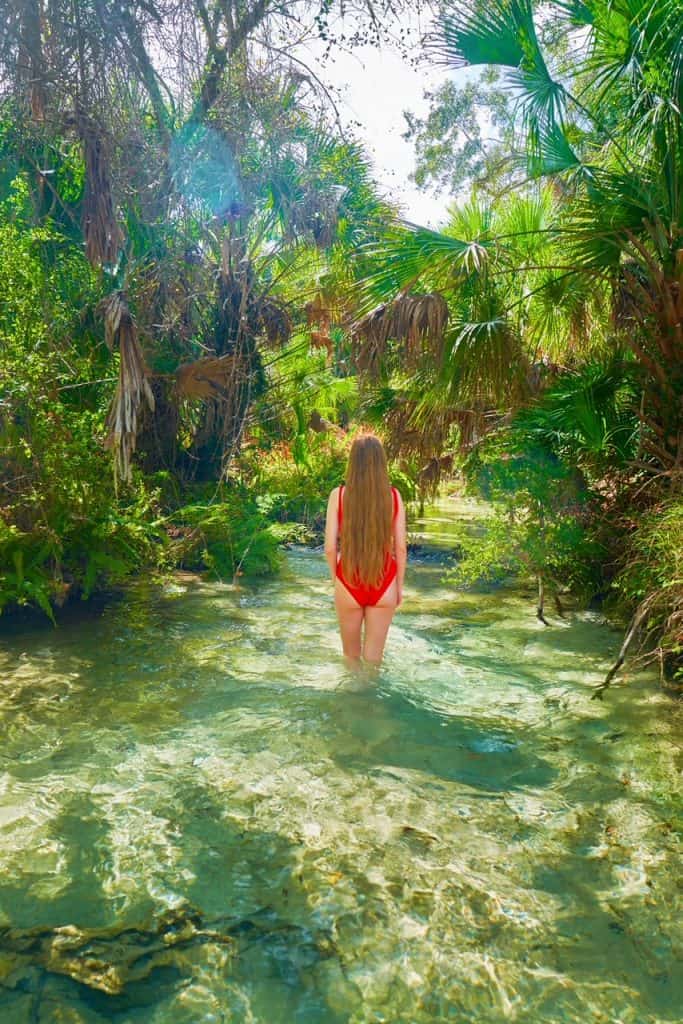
(651,582)
(293,485)
(229,534)
(540,526)
(63,529)
(292,482)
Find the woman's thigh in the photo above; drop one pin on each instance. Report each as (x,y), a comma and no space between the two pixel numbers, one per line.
(350,615)
(377,621)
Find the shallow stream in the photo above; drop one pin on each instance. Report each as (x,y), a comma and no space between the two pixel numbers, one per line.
(205,818)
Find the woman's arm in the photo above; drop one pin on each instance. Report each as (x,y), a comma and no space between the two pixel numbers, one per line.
(332,532)
(400,546)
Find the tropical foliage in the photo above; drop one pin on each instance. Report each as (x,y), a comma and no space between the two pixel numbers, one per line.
(203,289)
(564,295)
(175,209)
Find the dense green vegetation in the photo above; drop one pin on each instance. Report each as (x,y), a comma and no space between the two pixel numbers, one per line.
(561,368)
(203,292)
(166,245)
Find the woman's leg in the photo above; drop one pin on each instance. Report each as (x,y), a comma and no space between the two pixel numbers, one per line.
(377,621)
(350,615)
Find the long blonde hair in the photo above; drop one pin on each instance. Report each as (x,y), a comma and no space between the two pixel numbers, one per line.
(367,513)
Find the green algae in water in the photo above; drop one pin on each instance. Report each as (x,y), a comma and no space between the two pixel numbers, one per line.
(203,818)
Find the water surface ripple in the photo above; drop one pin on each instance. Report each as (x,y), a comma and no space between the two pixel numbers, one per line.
(204,818)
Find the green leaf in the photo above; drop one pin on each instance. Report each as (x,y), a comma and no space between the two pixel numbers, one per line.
(482,34)
(552,154)
(38,594)
(18,562)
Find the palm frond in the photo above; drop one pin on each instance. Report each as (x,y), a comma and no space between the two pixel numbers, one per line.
(553,153)
(409,255)
(592,413)
(471,220)
(614,207)
(577,12)
(485,363)
(566,314)
(394,407)
(212,377)
(416,322)
(133,384)
(481,34)
(525,224)
(502,33)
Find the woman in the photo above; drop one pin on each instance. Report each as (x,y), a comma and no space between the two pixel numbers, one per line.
(366,518)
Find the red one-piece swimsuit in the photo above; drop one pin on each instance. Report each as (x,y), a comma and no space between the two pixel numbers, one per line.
(363,594)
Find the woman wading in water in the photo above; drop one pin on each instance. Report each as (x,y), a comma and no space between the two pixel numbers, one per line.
(365,547)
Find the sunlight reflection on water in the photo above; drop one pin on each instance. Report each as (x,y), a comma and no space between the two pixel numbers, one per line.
(204,816)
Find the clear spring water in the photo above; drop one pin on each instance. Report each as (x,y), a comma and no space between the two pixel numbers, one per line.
(204,818)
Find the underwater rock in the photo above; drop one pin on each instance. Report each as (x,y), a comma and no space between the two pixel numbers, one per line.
(103,959)
(109,960)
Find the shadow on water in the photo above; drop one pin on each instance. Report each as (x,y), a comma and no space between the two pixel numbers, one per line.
(604,938)
(80,833)
(226,836)
(242,916)
(382,729)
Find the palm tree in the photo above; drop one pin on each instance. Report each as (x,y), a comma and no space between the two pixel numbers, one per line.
(602,125)
(583,264)
(607,123)
(512,312)
(198,157)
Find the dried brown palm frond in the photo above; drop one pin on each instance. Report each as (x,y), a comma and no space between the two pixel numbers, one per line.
(473,424)
(580,327)
(103,235)
(223,385)
(322,339)
(417,322)
(317,310)
(430,475)
(321,425)
(328,306)
(275,321)
(211,377)
(133,385)
(420,440)
(113,308)
(487,363)
(408,435)
(215,399)
(321,312)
